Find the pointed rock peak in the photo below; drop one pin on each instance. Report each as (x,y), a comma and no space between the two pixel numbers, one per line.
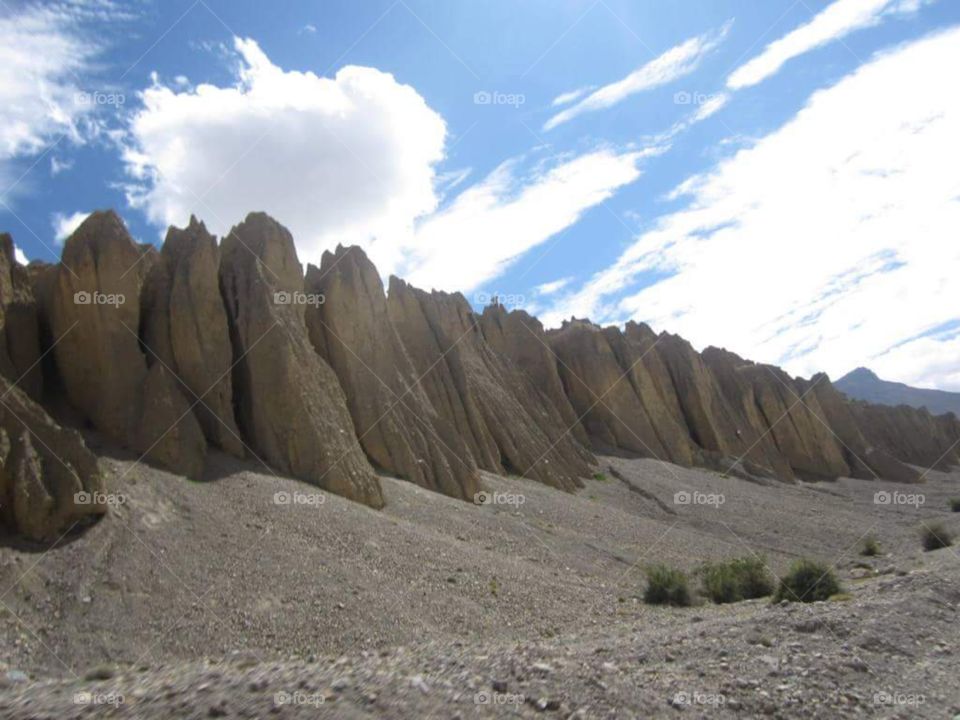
(262,238)
(6,247)
(101,229)
(345,255)
(861,373)
(183,241)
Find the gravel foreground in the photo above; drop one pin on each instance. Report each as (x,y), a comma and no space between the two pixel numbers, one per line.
(254,596)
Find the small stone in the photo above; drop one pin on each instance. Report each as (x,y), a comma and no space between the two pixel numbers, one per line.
(420,684)
(341,683)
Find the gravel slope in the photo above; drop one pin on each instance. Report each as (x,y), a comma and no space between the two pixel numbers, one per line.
(210,599)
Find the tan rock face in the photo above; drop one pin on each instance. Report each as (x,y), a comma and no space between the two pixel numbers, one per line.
(19,325)
(521,338)
(865,460)
(95,317)
(185,329)
(49,480)
(397,426)
(605,393)
(291,407)
(94,322)
(506,423)
(911,435)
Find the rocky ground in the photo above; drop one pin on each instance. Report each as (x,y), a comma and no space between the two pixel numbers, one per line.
(224,599)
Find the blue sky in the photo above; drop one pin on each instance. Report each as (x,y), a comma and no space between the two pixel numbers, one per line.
(771,177)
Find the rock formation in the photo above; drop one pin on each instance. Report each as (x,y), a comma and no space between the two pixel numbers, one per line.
(521,338)
(19,329)
(49,480)
(184,328)
(507,424)
(94,322)
(397,426)
(328,377)
(291,407)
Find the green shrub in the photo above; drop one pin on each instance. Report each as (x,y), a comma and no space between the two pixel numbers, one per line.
(599,477)
(737,579)
(935,536)
(954,504)
(871,547)
(808,581)
(666,586)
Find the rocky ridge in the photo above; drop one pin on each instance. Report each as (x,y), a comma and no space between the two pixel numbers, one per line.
(329,379)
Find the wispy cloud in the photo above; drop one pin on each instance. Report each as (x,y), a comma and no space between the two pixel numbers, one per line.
(568,97)
(494,222)
(552,287)
(833,23)
(675,63)
(824,244)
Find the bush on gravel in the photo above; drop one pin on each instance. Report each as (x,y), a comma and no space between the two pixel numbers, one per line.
(955,504)
(808,581)
(871,547)
(738,579)
(935,536)
(667,586)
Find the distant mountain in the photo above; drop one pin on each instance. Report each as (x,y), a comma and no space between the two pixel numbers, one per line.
(863,384)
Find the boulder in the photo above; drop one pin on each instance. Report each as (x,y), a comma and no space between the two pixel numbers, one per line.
(291,407)
(184,326)
(49,480)
(399,430)
(505,422)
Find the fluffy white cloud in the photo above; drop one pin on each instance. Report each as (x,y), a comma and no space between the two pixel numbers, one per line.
(929,362)
(350,160)
(337,159)
(494,222)
(675,63)
(825,243)
(834,22)
(64,225)
(20,256)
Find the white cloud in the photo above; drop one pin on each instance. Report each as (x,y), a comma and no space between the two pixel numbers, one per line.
(337,159)
(350,160)
(38,93)
(20,256)
(929,362)
(309,28)
(823,244)
(672,65)
(492,223)
(64,225)
(835,22)
(568,97)
(58,166)
(554,286)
